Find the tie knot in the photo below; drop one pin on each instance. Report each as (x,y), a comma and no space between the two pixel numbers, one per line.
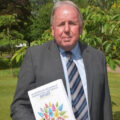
(68,55)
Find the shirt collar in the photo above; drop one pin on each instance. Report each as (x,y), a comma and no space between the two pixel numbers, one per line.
(75,51)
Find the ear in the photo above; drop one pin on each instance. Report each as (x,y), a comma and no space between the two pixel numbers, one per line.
(81,28)
(52,28)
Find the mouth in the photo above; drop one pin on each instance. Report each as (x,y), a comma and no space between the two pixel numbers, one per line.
(66,39)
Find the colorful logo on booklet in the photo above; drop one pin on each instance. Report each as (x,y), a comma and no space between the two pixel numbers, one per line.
(52,112)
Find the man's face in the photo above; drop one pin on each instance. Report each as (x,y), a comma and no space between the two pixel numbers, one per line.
(66,27)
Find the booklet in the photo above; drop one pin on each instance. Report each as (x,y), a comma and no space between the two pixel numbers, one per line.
(50,102)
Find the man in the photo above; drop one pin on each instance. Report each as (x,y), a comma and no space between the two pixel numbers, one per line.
(49,62)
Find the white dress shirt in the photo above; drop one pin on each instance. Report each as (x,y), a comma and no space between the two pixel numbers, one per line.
(78,60)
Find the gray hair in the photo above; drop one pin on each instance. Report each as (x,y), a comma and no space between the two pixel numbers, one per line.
(61,3)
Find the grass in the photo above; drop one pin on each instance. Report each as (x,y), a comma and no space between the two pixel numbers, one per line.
(114,84)
(8,85)
(7,88)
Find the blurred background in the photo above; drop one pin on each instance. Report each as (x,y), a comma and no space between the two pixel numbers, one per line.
(24,23)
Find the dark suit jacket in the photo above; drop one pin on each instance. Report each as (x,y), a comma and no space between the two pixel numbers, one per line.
(42,64)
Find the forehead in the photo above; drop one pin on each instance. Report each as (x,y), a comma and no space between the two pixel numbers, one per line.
(66,10)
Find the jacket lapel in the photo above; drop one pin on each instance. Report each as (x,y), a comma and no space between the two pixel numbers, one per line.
(57,63)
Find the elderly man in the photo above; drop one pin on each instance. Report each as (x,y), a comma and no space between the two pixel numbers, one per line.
(82,69)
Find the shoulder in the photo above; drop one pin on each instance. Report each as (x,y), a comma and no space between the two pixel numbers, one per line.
(40,49)
(95,53)
(42,46)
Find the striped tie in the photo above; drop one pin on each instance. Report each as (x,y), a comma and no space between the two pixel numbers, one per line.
(79,103)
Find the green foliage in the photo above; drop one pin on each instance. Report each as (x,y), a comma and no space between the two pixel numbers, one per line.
(9,36)
(19,7)
(46,36)
(81,3)
(8,20)
(4,63)
(40,21)
(37,4)
(15,14)
(19,54)
(102,31)
(104,4)
(4,39)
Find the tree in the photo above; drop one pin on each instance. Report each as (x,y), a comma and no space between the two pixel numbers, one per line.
(40,21)
(102,31)
(104,4)
(9,37)
(19,54)
(19,7)
(23,11)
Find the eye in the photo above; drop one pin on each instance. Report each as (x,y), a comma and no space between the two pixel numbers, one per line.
(61,24)
(72,23)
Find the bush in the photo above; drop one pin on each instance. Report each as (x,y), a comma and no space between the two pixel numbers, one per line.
(40,21)
(4,63)
(19,54)
(102,31)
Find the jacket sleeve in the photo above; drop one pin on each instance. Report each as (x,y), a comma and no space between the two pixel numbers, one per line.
(107,110)
(21,108)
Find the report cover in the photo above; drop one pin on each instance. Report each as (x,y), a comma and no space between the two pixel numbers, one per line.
(50,102)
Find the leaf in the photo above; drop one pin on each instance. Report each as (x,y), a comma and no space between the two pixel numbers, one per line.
(18,57)
(65,116)
(62,113)
(50,105)
(83,36)
(46,106)
(105,28)
(107,48)
(56,113)
(117,62)
(45,109)
(112,64)
(41,114)
(57,104)
(116,17)
(112,29)
(50,112)
(53,107)
(60,107)
(99,40)
(105,43)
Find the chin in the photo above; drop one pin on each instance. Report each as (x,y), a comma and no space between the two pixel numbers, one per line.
(67,47)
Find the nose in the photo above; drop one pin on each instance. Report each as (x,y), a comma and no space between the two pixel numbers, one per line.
(67,27)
